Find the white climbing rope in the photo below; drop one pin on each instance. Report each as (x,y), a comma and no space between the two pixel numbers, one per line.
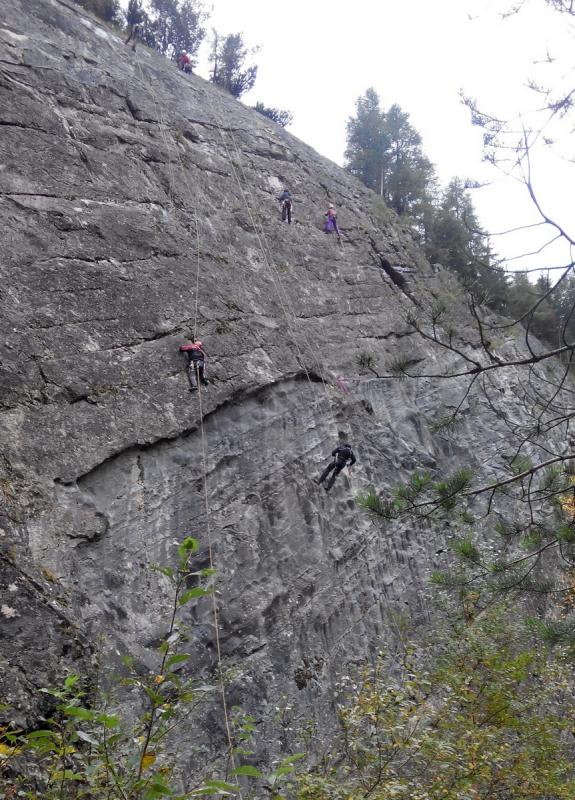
(227,721)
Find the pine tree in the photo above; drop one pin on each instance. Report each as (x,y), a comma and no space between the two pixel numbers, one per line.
(384,152)
(135,13)
(176,25)
(108,10)
(228,64)
(540,314)
(407,172)
(278,115)
(564,303)
(366,142)
(189,31)
(454,238)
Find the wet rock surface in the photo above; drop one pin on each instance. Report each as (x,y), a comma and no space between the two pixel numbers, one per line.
(139,204)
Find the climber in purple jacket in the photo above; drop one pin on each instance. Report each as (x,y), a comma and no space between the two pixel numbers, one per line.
(331,221)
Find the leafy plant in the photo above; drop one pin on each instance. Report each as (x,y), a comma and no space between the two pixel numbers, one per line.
(371,501)
(86,750)
(487,718)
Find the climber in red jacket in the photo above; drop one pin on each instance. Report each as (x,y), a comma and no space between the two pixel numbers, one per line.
(196,363)
(184,62)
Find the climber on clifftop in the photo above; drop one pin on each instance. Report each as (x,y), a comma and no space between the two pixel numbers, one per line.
(135,33)
(342,456)
(184,62)
(196,363)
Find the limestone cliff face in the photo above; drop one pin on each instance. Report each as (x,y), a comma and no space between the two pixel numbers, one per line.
(136,201)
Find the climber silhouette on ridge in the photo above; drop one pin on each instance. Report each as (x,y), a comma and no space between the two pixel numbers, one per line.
(196,363)
(342,456)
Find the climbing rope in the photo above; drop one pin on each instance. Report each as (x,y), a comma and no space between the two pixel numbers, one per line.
(283,301)
(227,722)
(290,318)
(214,602)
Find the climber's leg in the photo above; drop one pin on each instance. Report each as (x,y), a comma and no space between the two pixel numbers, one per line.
(337,469)
(326,472)
(202,372)
(192,376)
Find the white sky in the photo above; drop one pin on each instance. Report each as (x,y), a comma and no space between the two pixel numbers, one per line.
(317,58)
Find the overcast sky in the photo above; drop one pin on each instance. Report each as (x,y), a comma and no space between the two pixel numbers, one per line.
(317,58)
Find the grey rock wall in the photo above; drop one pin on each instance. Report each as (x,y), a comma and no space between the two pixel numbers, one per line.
(136,203)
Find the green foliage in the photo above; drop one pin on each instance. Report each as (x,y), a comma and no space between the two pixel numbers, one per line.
(449,423)
(465,548)
(553,632)
(108,10)
(367,142)
(551,314)
(371,501)
(448,490)
(566,533)
(85,743)
(531,540)
(419,494)
(453,237)
(172,26)
(554,480)
(228,60)
(282,117)
(408,494)
(486,719)
(508,529)
(384,151)
(447,580)
(520,464)
(135,13)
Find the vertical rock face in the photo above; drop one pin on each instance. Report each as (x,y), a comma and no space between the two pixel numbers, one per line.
(138,205)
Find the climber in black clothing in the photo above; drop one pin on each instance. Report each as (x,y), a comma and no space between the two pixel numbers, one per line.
(135,33)
(341,456)
(285,200)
